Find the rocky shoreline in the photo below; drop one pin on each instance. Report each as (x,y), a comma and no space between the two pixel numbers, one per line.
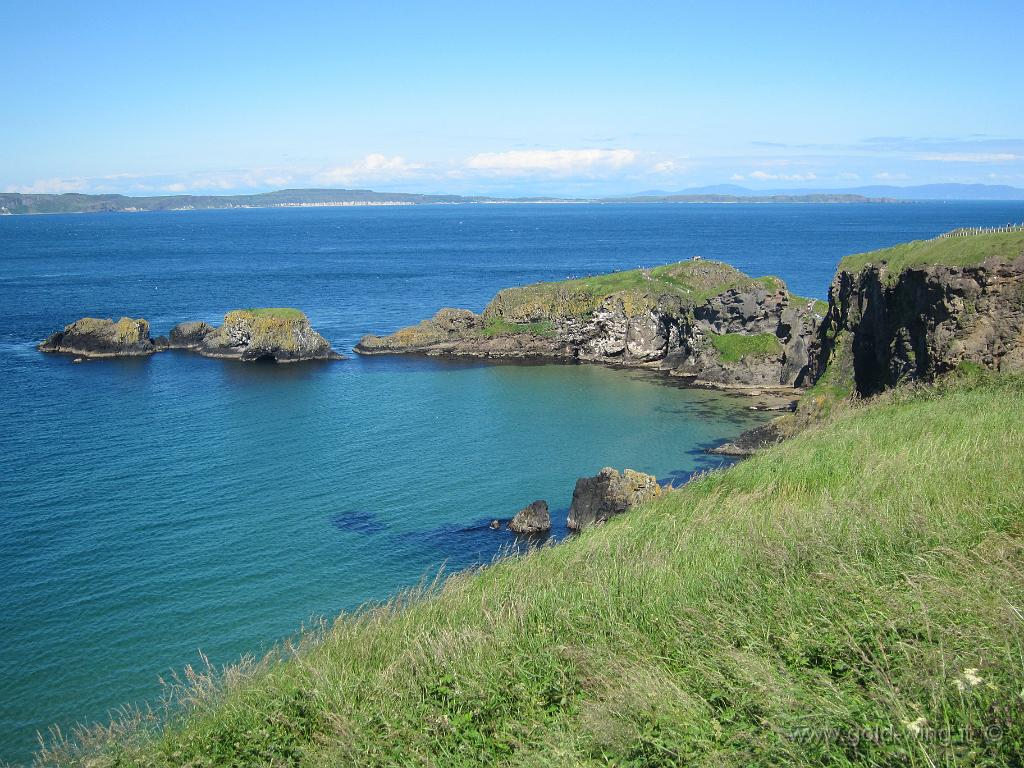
(702,321)
(279,335)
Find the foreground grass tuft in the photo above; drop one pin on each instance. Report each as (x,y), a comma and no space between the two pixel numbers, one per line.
(851,596)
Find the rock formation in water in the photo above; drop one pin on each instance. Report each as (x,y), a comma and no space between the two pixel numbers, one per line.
(92,337)
(534,518)
(281,335)
(701,320)
(608,493)
(188,335)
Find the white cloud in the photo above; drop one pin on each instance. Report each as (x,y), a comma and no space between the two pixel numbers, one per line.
(372,167)
(670,166)
(52,186)
(974,157)
(737,177)
(764,176)
(848,176)
(887,176)
(557,161)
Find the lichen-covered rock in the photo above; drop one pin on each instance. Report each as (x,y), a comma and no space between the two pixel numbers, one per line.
(447,325)
(280,335)
(608,493)
(534,518)
(93,337)
(884,326)
(188,335)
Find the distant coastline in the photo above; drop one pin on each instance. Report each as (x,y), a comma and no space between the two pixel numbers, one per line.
(16,203)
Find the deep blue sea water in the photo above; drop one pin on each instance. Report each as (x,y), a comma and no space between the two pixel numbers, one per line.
(155,508)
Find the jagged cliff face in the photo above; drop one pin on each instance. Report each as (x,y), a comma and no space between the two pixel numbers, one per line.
(885,327)
(700,320)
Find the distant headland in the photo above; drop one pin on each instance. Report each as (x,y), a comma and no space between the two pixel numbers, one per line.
(12,203)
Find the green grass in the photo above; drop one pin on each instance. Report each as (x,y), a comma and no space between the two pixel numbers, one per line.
(733,347)
(496,326)
(287,313)
(811,606)
(692,281)
(951,251)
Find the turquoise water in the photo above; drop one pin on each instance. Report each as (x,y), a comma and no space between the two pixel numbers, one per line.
(156,508)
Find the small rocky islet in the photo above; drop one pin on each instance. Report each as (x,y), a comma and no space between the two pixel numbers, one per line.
(277,334)
(594,501)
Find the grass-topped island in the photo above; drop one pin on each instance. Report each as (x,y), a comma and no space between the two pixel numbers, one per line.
(701,320)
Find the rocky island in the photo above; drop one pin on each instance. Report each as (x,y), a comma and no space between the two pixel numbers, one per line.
(94,337)
(277,334)
(700,320)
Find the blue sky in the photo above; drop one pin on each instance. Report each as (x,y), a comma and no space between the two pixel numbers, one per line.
(523,98)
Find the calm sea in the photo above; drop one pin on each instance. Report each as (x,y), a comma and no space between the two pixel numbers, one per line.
(152,509)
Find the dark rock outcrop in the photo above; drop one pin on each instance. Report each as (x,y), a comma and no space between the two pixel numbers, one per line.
(751,441)
(92,337)
(534,518)
(282,336)
(188,335)
(883,328)
(608,493)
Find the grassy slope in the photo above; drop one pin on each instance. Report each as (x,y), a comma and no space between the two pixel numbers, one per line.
(852,578)
(953,251)
(733,347)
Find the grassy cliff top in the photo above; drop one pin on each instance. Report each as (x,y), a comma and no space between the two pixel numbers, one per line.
(950,251)
(844,582)
(285,313)
(692,281)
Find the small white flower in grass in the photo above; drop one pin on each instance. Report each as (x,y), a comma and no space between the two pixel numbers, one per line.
(968,679)
(916,726)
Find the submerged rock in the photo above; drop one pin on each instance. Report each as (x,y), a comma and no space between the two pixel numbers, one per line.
(278,334)
(93,337)
(534,518)
(609,493)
